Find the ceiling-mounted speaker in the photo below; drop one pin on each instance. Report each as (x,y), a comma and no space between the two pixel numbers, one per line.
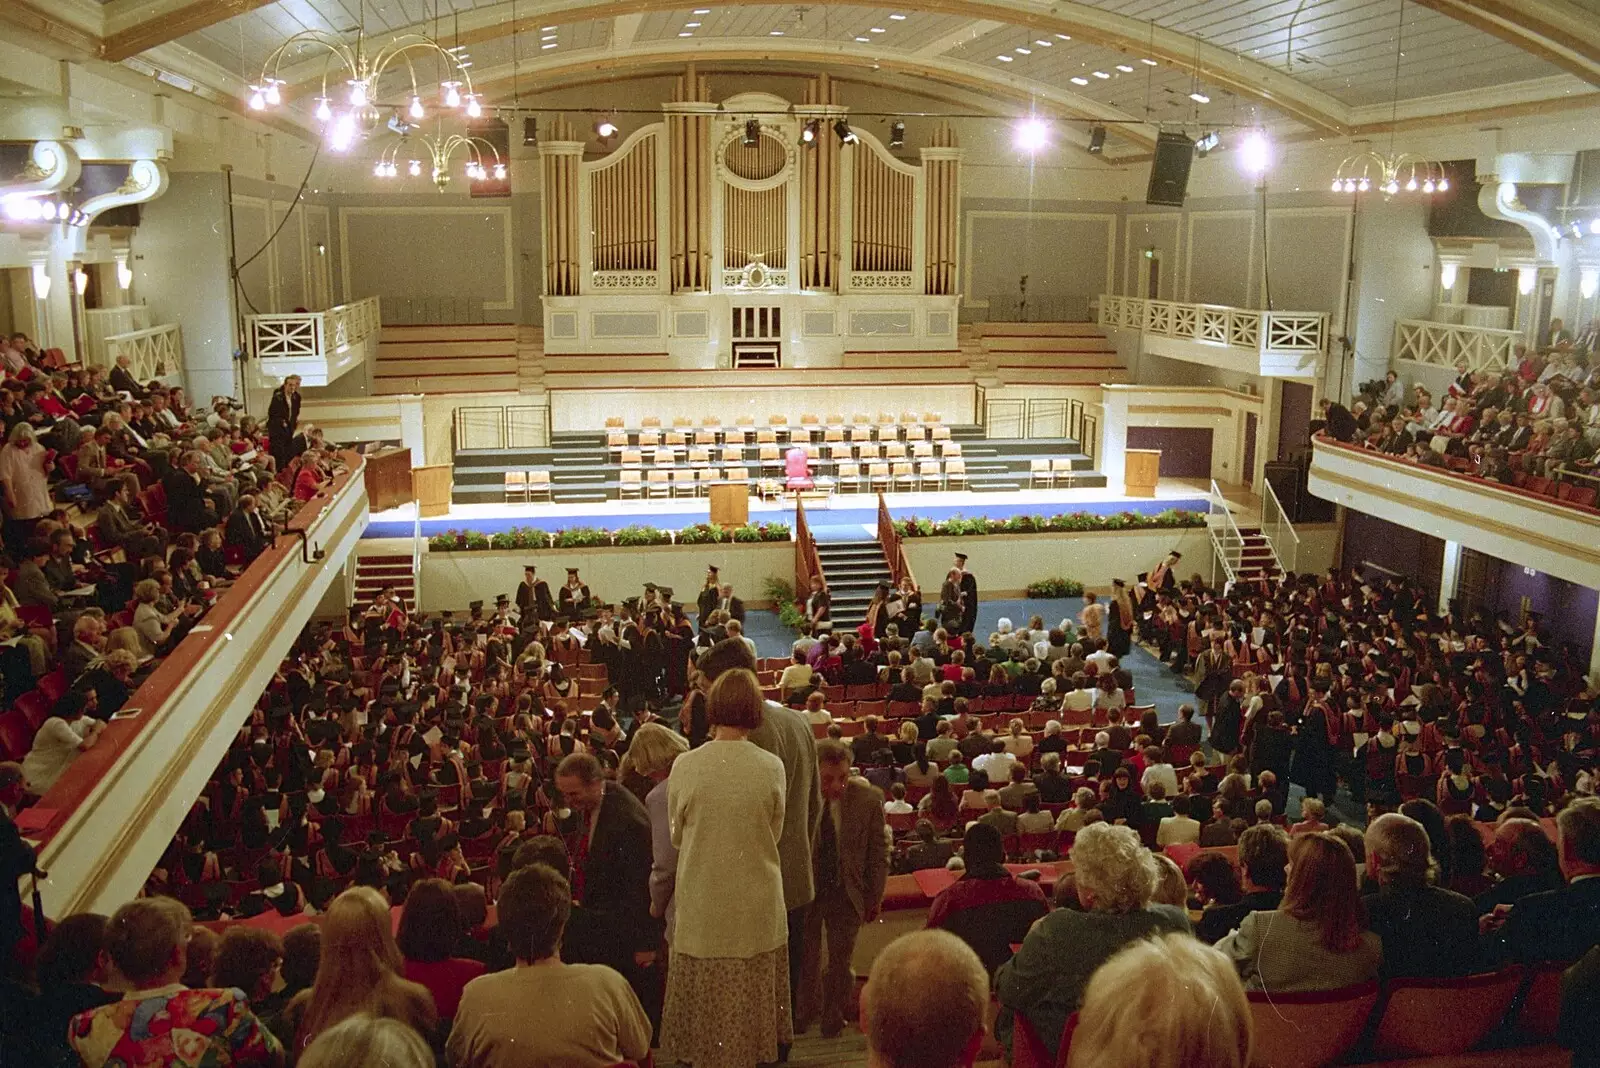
(1169,173)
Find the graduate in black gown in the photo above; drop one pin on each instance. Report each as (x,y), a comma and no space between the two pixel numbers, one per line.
(969,595)
(533,597)
(573,600)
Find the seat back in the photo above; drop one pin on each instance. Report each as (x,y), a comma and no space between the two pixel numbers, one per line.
(1308,1030)
(1415,1008)
(1541,1003)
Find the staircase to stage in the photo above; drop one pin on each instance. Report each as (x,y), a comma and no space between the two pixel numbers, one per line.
(852,570)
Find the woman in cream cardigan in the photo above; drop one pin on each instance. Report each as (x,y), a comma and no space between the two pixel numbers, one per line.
(727,1000)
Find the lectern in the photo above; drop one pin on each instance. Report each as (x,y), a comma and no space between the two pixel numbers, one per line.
(388,478)
(431,486)
(730,504)
(1142,467)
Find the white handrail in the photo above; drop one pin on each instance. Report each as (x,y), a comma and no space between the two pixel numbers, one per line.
(416,558)
(153,353)
(1218,324)
(1279,531)
(1226,539)
(1447,344)
(313,335)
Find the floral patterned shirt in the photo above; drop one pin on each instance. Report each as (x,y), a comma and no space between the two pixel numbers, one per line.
(177,1027)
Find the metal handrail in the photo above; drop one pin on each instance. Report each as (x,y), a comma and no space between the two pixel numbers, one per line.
(416,558)
(1226,539)
(1279,530)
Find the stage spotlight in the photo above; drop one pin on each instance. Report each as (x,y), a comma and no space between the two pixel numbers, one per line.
(752,133)
(530,130)
(1097,140)
(1206,143)
(808,135)
(1031,134)
(847,136)
(897,134)
(605,129)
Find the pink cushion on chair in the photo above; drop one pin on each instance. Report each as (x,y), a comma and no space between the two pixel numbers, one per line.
(797,468)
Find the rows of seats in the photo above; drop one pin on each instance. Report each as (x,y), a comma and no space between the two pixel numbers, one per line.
(771,456)
(886,426)
(673,480)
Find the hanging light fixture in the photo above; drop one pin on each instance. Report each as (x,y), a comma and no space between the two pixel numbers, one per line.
(1391,171)
(481,158)
(362,71)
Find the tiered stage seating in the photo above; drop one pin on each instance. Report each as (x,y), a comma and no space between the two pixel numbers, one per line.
(861,453)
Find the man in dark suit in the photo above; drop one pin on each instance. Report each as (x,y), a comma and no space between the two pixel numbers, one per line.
(610,851)
(1427,931)
(928,850)
(248,528)
(187,506)
(1184,732)
(850,863)
(706,601)
(1263,869)
(122,380)
(730,604)
(283,418)
(969,595)
(1563,924)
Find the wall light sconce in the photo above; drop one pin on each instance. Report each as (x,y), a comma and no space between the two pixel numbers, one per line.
(124,273)
(1526,277)
(1447,275)
(1589,282)
(41,282)
(80,281)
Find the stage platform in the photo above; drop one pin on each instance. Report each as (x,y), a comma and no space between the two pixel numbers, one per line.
(843,517)
(584,471)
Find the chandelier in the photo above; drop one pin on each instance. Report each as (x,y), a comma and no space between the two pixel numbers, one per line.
(1389,174)
(441,150)
(350,111)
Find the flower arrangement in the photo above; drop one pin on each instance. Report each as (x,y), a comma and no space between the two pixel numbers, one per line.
(1070,522)
(638,534)
(1055,587)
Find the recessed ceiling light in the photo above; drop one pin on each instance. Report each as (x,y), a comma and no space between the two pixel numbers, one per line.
(548,37)
(1147,61)
(774,33)
(1080,81)
(1004,59)
(686,33)
(1200,98)
(878,29)
(692,25)
(702,11)
(546,29)
(547,46)
(898,18)
(1101,74)
(864,40)
(1063,37)
(1124,68)
(1042,43)
(1024,52)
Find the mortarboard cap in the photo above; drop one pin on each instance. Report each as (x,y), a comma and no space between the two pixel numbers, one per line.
(961,556)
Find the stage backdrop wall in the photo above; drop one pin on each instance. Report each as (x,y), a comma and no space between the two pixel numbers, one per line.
(1004,564)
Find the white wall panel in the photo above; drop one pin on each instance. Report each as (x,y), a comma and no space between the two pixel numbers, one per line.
(1064,254)
(1219,257)
(454,252)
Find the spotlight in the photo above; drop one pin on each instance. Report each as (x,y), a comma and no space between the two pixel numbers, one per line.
(530,130)
(1200,98)
(808,135)
(897,134)
(1031,134)
(1206,143)
(752,133)
(605,129)
(846,135)
(1097,140)
(1594,226)
(1256,152)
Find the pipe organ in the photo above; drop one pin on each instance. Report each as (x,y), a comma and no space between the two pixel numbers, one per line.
(663,244)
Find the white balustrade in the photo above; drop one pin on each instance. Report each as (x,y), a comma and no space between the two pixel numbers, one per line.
(153,353)
(1284,342)
(1448,344)
(317,346)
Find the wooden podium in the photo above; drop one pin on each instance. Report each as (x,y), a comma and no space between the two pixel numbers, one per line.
(1142,469)
(431,487)
(388,479)
(730,504)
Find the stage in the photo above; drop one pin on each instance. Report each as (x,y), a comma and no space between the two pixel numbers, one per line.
(844,516)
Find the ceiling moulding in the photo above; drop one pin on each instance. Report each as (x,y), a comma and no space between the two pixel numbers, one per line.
(1217,67)
(496,88)
(67,24)
(1558,31)
(1556,93)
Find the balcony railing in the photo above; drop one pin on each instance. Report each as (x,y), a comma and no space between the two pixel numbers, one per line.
(1446,345)
(1282,342)
(153,353)
(317,346)
(105,823)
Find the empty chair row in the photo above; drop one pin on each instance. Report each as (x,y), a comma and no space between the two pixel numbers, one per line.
(701,455)
(1058,472)
(617,440)
(528,485)
(906,418)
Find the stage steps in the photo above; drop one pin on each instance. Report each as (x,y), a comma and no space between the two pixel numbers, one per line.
(1257,559)
(1055,354)
(852,570)
(530,359)
(374,574)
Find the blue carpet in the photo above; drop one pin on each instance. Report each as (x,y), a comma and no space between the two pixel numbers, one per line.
(844,519)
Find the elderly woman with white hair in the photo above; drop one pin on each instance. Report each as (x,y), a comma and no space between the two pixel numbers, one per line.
(650,756)
(1115,879)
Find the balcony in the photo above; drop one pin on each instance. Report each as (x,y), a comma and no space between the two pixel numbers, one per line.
(317,346)
(152,353)
(1531,529)
(1437,344)
(106,822)
(1279,344)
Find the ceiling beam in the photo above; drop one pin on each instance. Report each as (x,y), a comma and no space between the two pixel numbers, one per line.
(1558,31)
(66,39)
(496,86)
(155,22)
(1216,67)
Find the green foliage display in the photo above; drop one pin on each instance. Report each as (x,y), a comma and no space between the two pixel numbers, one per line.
(959,526)
(1055,587)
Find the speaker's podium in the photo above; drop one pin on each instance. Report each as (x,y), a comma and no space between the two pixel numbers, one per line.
(1141,469)
(431,485)
(730,504)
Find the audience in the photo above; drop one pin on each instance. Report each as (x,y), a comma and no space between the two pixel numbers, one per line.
(1426,930)
(988,908)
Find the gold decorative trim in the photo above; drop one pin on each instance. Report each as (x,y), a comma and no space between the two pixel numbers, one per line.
(1176,409)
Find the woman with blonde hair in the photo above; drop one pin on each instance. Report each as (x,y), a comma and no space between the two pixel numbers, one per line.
(650,756)
(1167,1002)
(727,1001)
(1317,938)
(359,972)
(1018,742)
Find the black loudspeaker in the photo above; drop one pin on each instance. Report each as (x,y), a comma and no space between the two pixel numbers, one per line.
(1284,475)
(1169,174)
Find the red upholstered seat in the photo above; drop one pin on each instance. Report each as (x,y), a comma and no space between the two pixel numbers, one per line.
(1415,1009)
(1541,1003)
(1308,1030)
(797,469)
